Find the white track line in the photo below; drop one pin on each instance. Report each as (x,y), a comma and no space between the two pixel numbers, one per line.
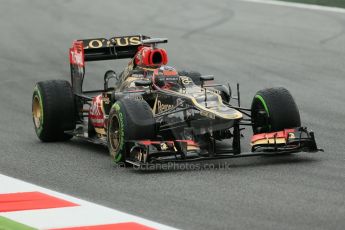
(298,5)
(86,214)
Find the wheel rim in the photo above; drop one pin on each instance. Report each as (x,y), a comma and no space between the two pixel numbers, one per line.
(37,111)
(114,134)
(260,118)
(258,121)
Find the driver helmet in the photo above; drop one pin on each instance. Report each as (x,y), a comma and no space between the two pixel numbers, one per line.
(166,77)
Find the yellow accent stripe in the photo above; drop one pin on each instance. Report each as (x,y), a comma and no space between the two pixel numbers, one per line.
(233,116)
(100,131)
(269,141)
(237,115)
(155,106)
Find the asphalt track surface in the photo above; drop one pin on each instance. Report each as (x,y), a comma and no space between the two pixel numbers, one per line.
(257,45)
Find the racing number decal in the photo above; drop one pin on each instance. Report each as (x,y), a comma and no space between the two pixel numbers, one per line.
(186,80)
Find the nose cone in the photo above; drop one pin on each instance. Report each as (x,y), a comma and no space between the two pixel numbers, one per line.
(214,107)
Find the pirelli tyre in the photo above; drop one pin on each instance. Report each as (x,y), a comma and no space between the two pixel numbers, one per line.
(129,119)
(53,110)
(274,109)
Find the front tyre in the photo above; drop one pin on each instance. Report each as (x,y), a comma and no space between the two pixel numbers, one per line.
(129,119)
(53,110)
(274,109)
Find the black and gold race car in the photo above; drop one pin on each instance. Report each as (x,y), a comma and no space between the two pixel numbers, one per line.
(156,114)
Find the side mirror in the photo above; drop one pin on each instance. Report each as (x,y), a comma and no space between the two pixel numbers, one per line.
(143,83)
(206,78)
(107,76)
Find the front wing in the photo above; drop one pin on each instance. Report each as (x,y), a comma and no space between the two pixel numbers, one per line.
(146,152)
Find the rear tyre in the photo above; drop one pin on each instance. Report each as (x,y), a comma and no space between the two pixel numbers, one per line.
(129,119)
(274,109)
(53,110)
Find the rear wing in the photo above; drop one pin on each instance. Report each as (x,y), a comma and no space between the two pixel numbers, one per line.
(97,49)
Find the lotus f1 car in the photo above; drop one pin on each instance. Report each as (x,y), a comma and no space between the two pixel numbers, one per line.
(155,114)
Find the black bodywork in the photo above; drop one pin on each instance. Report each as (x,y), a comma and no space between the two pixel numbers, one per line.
(182,118)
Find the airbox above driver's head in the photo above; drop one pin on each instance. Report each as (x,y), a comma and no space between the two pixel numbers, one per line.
(151,57)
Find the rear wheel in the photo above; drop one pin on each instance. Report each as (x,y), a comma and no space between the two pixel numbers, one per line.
(53,110)
(274,109)
(129,119)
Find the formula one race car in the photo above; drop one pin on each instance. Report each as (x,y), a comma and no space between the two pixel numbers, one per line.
(155,114)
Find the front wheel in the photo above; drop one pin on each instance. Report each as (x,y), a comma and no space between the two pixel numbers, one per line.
(274,109)
(129,119)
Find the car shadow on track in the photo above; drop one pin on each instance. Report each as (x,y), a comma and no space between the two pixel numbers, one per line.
(208,165)
(230,164)
(88,146)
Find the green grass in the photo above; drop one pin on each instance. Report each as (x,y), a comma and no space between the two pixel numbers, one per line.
(336,3)
(7,224)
